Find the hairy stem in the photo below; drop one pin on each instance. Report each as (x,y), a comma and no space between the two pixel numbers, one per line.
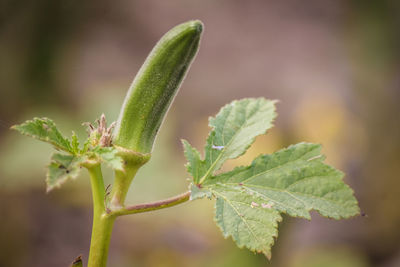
(104,217)
(123,179)
(121,185)
(102,222)
(161,204)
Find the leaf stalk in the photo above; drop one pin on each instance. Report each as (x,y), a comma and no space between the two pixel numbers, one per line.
(151,206)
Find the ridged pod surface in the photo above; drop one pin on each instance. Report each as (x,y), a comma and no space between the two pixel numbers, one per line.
(155,87)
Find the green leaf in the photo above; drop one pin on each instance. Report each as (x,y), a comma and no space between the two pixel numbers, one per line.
(62,167)
(250,198)
(195,166)
(75,143)
(250,224)
(293,181)
(65,166)
(233,130)
(109,155)
(45,130)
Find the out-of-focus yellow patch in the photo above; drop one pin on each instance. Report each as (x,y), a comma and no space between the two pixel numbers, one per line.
(326,120)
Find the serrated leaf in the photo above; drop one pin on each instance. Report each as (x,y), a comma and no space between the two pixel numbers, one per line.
(295,180)
(45,130)
(74,143)
(250,198)
(86,146)
(195,166)
(109,155)
(235,128)
(246,219)
(233,131)
(62,167)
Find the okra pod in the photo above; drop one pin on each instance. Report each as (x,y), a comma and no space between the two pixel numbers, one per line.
(155,87)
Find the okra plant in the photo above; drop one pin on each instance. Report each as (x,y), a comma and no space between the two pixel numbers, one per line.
(249,199)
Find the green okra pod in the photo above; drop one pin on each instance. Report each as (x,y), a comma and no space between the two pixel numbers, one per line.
(155,87)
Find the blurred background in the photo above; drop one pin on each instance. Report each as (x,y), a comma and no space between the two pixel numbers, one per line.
(334,66)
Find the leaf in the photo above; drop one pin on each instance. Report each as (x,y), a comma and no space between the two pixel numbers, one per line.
(195,166)
(45,130)
(109,155)
(75,143)
(250,224)
(249,199)
(86,146)
(62,167)
(293,181)
(233,131)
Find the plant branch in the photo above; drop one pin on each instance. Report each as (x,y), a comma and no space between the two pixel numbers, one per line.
(145,207)
(98,189)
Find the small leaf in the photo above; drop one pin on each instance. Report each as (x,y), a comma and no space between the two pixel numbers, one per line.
(75,143)
(234,129)
(195,166)
(62,167)
(109,155)
(86,146)
(45,130)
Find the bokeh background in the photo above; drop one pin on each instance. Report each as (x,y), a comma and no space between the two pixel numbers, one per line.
(334,66)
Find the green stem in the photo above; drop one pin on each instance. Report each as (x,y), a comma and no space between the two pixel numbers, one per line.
(104,217)
(121,185)
(162,204)
(102,221)
(123,179)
